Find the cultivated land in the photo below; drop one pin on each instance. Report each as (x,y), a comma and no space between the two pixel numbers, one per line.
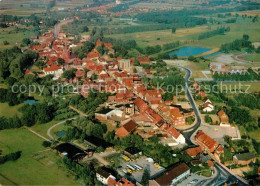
(190,35)
(36,166)
(9,111)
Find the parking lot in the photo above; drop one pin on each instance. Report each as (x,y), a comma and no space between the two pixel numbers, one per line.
(144,163)
(192,180)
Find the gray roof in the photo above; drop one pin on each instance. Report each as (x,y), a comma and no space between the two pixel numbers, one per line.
(245,156)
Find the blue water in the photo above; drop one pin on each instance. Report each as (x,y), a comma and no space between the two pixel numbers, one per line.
(31,101)
(61,133)
(189,51)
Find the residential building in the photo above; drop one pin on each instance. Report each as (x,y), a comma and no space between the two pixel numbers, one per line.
(224,121)
(103,175)
(209,145)
(124,64)
(172,176)
(193,152)
(126,129)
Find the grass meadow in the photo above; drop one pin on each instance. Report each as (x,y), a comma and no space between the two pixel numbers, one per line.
(10,111)
(190,35)
(36,166)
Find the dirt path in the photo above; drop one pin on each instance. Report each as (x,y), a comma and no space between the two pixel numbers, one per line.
(46,139)
(78,111)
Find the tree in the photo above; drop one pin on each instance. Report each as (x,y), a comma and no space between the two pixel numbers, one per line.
(208,119)
(173,30)
(5,42)
(46,143)
(69,74)
(145,177)
(60,61)
(26,41)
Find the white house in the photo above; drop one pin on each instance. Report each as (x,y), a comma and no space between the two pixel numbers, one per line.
(103,176)
(53,70)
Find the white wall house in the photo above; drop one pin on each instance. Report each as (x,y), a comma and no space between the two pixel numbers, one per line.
(103,176)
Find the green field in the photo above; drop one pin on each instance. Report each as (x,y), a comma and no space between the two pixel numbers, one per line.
(9,111)
(252,58)
(253,87)
(14,39)
(190,35)
(43,128)
(36,166)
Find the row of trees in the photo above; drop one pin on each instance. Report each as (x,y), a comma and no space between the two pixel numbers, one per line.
(218,31)
(250,75)
(238,44)
(10,157)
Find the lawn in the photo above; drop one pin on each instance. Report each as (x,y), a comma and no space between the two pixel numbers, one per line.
(36,166)
(10,111)
(43,128)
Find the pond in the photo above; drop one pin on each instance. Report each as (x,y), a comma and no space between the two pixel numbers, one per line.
(61,133)
(31,101)
(189,51)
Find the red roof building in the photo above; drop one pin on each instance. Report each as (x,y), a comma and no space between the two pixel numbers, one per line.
(176,117)
(192,152)
(126,129)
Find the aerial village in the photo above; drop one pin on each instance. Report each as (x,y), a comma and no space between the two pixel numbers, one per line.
(133,108)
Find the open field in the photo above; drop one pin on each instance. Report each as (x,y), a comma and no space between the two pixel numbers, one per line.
(252,58)
(190,35)
(9,111)
(36,166)
(253,86)
(14,39)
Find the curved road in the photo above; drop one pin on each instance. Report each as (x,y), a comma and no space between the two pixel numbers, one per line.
(189,131)
(223,175)
(57,124)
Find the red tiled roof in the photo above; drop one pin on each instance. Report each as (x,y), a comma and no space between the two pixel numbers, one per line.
(207,141)
(92,55)
(52,68)
(98,43)
(109,45)
(173,132)
(193,151)
(80,73)
(126,129)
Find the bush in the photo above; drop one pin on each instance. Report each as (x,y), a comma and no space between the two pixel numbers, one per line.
(46,143)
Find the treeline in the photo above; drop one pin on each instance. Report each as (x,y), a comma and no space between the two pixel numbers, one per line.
(133,29)
(169,46)
(38,113)
(10,157)
(6,95)
(251,101)
(238,44)
(13,62)
(218,31)
(85,172)
(180,19)
(250,75)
